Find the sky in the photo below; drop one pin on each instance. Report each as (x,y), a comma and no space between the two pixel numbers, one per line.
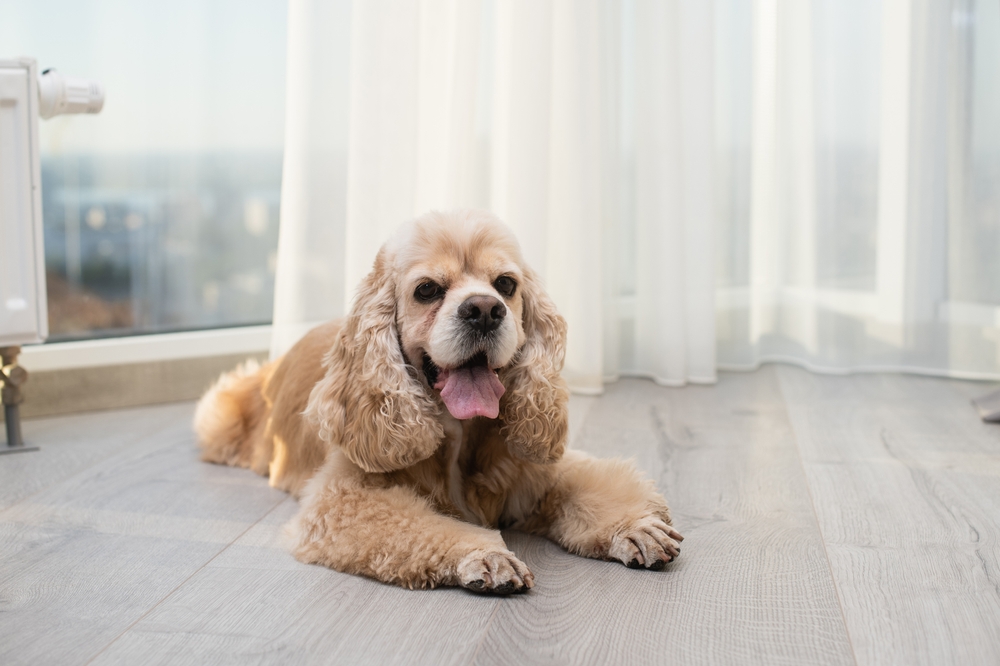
(179,75)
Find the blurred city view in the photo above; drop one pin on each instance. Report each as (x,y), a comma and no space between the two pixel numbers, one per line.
(146,243)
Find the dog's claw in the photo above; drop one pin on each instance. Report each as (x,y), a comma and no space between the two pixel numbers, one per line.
(494,572)
(647,543)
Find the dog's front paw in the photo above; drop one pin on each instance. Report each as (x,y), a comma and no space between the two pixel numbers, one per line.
(494,572)
(648,542)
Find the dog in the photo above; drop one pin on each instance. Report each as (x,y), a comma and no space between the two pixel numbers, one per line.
(430,417)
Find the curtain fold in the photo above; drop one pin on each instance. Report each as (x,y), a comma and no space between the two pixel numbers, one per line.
(700,184)
(311,264)
(674,305)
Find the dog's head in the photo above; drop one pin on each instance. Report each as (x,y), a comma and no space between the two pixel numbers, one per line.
(449,318)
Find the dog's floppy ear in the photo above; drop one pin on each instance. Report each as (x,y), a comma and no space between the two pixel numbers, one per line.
(535,406)
(369,404)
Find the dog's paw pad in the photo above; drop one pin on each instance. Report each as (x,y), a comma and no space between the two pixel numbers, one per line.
(494,572)
(646,543)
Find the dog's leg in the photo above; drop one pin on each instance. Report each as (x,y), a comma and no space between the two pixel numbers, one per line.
(606,510)
(393,535)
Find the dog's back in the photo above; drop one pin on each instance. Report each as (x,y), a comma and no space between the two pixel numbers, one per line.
(252,416)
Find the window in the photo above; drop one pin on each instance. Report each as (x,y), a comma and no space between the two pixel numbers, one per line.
(161,212)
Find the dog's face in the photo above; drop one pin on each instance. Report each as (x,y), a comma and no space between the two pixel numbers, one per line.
(460,309)
(449,314)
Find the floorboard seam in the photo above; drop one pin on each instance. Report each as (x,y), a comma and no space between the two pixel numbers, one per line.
(486,630)
(819,527)
(77,473)
(184,582)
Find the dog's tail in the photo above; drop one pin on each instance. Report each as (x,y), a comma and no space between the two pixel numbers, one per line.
(229,416)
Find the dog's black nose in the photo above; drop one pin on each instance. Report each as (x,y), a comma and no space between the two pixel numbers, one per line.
(483,313)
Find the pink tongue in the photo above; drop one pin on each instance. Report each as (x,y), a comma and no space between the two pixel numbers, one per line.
(469,392)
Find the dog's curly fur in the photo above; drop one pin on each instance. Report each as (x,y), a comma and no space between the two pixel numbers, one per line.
(392,486)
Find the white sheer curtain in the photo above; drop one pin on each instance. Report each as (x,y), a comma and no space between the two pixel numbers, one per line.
(860,213)
(701,184)
(310,277)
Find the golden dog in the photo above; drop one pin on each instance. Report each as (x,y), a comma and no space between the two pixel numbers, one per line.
(431,416)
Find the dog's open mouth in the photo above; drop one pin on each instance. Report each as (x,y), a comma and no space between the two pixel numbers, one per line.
(471,389)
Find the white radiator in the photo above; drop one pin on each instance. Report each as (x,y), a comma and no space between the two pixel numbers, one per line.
(23,310)
(24,98)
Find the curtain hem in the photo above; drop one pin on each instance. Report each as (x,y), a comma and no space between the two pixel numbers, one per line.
(867,369)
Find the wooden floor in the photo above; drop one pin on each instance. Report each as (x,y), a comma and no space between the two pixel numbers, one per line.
(829,520)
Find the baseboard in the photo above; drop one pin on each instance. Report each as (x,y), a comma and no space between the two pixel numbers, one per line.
(67,391)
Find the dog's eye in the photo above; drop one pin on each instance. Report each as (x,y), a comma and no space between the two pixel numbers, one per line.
(428,291)
(505,285)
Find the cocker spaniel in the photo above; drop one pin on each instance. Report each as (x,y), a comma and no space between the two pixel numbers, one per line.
(431,416)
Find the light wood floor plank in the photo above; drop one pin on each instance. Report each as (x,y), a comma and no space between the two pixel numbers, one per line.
(70,444)
(64,594)
(752,585)
(121,545)
(255,604)
(303,616)
(906,482)
(86,558)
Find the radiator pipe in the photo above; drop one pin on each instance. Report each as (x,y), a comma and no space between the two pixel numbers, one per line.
(12,378)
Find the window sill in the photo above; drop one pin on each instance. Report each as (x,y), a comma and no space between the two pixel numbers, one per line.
(91,375)
(146,348)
